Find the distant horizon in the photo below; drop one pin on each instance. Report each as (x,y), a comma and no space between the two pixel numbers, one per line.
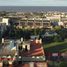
(31,6)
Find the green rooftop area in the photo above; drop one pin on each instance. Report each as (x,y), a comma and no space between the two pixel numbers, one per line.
(56,46)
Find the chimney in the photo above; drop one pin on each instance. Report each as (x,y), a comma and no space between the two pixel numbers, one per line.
(2,40)
(40,41)
(21,39)
(36,41)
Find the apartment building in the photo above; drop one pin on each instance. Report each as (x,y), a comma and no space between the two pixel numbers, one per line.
(35,23)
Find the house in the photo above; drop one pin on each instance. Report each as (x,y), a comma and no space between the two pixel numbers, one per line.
(64,20)
(48,36)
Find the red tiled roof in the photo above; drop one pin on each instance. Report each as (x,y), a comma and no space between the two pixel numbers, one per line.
(35,50)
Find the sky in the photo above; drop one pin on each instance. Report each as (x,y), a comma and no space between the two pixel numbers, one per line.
(33,2)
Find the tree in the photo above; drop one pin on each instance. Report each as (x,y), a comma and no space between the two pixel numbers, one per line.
(57,28)
(63,64)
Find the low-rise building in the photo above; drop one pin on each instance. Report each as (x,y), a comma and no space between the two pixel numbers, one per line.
(4,20)
(64,20)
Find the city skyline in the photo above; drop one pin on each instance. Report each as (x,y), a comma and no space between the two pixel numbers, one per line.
(33,2)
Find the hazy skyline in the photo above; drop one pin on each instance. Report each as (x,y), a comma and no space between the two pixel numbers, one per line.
(33,2)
